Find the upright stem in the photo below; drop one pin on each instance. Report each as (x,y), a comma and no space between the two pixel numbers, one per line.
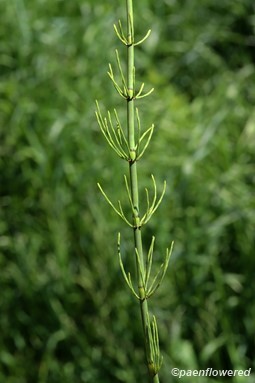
(134,185)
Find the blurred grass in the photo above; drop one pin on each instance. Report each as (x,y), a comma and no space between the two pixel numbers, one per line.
(65,311)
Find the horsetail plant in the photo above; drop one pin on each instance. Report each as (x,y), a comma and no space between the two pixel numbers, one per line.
(130,144)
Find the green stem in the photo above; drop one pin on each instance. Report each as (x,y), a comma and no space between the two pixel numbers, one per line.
(134,184)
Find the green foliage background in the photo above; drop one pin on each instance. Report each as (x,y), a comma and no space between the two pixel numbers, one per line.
(66,314)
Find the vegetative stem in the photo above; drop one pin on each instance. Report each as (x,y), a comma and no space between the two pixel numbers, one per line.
(134,183)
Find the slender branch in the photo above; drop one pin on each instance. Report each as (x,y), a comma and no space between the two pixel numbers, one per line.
(144,38)
(120,33)
(120,211)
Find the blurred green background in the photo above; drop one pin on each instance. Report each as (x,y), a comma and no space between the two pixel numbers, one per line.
(65,312)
